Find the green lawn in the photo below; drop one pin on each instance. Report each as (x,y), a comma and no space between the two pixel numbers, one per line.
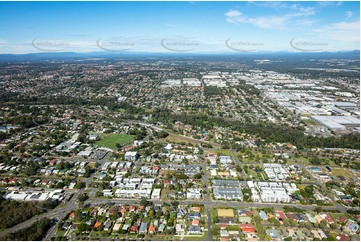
(110,140)
(223,152)
(342,172)
(311,122)
(165,191)
(196,237)
(303,160)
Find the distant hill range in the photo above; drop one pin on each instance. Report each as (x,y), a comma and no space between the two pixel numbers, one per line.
(58,56)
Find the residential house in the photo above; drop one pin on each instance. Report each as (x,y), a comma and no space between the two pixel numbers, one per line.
(133,229)
(281,216)
(245,220)
(247,228)
(195,222)
(131,155)
(352,227)
(152,229)
(143,228)
(194,193)
(97,225)
(194,229)
(125,228)
(263,215)
(342,237)
(180,228)
(274,234)
(107,225)
(116,227)
(156,193)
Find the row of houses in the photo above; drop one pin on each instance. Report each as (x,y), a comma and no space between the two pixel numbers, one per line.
(275,171)
(36,196)
(271,191)
(179,158)
(227,189)
(193,214)
(189,170)
(116,165)
(132,187)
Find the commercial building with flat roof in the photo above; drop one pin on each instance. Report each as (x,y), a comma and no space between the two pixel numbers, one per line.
(337,122)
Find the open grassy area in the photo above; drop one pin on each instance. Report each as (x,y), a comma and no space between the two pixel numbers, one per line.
(342,172)
(195,237)
(179,139)
(223,152)
(311,122)
(302,186)
(256,175)
(303,160)
(164,194)
(110,140)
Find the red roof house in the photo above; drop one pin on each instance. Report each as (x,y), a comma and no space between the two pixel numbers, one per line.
(247,228)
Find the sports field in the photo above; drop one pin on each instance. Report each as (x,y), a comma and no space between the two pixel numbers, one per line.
(110,140)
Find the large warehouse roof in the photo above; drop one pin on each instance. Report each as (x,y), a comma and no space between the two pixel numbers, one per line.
(337,122)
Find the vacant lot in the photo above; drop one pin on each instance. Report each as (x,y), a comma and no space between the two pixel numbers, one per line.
(224,152)
(342,172)
(180,139)
(110,140)
(225,213)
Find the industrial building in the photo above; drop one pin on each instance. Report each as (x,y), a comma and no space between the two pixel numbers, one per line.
(337,122)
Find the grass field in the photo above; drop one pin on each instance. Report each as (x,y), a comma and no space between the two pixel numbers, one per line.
(179,139)
(195,237)
(342,172)
(224,152)
(110,140)
(302,186)
(165,191)
(303,160)
(311,122)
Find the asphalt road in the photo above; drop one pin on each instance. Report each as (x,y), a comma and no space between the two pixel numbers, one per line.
(207,196)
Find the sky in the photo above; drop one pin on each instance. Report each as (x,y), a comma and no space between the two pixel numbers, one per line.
(184,27)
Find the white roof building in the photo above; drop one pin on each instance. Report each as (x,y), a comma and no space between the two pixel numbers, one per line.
(156,193)
(193,193)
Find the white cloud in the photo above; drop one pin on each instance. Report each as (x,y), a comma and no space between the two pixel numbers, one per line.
(307,23)
(269,4)
(349,14)
(268,22)
(329,4)
(341,31)
(302,11)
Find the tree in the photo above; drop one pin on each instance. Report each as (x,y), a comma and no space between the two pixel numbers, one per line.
(80,185)
(83,227)
(198,176)
(175,203)
(144,202)
(318,209)
(151,213)
(83,197)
